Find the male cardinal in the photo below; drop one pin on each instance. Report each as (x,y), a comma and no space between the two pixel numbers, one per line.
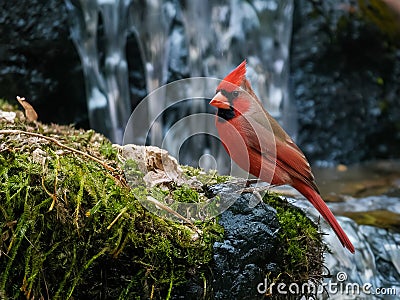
(256,142)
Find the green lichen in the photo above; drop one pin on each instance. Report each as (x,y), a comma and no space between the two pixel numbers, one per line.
(71,228)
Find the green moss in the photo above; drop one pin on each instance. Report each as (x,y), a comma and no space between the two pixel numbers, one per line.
(70,228)
(206,178)
(108,151)
(187,194)
(300,242)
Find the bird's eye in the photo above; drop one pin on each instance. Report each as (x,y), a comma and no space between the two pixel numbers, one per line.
(235,94)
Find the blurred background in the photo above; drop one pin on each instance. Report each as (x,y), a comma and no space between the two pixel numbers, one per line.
(328,70)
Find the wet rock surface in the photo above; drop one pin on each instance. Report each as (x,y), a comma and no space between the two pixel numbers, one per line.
(247,253)
(39,61)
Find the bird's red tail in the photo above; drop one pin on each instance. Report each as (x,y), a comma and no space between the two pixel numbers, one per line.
(326,213)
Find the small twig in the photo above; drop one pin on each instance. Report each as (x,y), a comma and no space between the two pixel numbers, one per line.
(168,209)
(53,196)
(117,217)
(55,185)
(152,292)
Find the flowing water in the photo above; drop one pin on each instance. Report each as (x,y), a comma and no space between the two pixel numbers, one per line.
(218,36)
(368,197)
(369,194)
(106,80)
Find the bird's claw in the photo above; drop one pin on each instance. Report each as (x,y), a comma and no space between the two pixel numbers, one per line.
(258,193)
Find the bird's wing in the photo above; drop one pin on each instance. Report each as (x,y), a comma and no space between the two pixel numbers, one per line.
(271,140)
(293,161)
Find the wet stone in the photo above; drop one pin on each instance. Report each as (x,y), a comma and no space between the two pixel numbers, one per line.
(240,261)
(247,253)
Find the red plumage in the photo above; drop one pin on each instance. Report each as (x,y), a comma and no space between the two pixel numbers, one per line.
(260,146)
(234,78)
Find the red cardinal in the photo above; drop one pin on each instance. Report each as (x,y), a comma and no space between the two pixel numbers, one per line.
(260,146)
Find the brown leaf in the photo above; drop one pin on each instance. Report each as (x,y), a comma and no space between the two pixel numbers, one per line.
(156,164)
(30,113)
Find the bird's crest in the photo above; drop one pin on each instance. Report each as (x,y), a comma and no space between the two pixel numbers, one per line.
(235,77)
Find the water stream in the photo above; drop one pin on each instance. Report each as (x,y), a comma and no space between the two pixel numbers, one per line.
(367,196)
(218,36)
(106,80)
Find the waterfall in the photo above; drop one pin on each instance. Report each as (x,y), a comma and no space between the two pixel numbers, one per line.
(218,35)
(151,21)
(106,82)
(221,34)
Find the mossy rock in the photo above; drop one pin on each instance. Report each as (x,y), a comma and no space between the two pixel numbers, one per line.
(71,227)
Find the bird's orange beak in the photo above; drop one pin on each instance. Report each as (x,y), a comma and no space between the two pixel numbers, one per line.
(220,101)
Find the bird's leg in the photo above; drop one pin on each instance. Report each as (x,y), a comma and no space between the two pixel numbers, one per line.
(258,193)
(255,189)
